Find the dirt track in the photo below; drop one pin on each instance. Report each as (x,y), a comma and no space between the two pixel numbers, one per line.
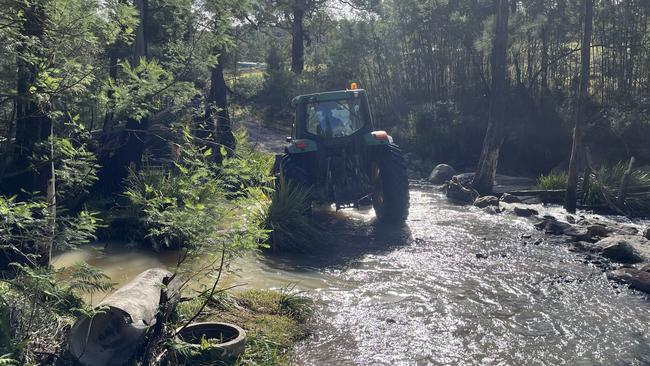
(264,138)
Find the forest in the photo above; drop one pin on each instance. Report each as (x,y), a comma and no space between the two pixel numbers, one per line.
(124,121)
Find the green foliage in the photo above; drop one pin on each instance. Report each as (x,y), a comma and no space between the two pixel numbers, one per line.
(292,229)
(41,307)
(194,205)
(605,185)
(249,168)
(146,87)
(552,181)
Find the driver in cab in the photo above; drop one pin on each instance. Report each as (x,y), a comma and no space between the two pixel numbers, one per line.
(330,124)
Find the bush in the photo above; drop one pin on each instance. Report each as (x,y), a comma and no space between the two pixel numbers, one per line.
(552,181)
(291,228)
(605,185)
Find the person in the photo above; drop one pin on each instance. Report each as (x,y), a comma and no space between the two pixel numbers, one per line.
(331,124)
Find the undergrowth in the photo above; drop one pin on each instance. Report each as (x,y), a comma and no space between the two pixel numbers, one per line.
(604,186)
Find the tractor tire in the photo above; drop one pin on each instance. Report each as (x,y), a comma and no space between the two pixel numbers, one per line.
(391,186)
(292,168)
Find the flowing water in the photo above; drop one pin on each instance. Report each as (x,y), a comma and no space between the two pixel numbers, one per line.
(455,286)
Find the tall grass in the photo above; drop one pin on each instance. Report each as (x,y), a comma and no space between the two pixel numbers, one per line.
(552,181)
(292,227)
(604,186)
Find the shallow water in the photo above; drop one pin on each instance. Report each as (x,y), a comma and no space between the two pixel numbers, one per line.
(454,286)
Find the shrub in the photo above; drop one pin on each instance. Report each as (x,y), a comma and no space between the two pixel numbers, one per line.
(605,185)
(291,228)
(552,181)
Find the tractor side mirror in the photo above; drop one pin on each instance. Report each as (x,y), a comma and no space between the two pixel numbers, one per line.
(288,139)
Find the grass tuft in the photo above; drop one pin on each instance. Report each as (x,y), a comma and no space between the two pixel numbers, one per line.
(293,230)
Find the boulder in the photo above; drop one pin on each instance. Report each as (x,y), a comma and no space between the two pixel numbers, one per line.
(508,198)
(620,249)
(636,279)
(578,233)
(525,212)
(550,225)
(441,174)
(492,210)
(485,201)
(646,233)
(599,230)
(585,247)
(457,192)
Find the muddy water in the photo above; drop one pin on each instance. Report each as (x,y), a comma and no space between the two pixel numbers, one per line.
(453,287)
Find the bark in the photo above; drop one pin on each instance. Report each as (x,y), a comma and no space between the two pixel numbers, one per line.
(32,123)
(487,166)
(298,37)
(216,114)
(577,151)
(131,142)
(140,44)
(544,61)
(625,182)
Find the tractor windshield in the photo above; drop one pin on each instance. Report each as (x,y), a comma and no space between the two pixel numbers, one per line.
(338,118)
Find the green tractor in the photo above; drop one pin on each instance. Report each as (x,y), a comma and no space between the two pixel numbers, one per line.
(335,152)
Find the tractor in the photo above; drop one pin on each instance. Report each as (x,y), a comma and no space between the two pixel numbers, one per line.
(336,154)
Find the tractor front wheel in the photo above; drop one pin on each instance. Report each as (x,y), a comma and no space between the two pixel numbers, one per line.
(391,187)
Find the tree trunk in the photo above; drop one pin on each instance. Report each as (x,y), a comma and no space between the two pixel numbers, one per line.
(297,45)
(216,114)
(32,123)
(544,86)
(577,151)
(487,166)
(131,142)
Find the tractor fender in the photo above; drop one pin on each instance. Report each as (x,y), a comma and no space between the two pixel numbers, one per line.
(375,138)
(300,146)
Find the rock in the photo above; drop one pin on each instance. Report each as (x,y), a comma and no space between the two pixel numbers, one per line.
(481,255)
(441,173)
(508,198)
(578,233)
(551,226)
(492,210)
(599,230)
(585,247)
(483,202)
(464,178)
(525,212)
(646,233)
(627,230)
(636,279)
(620,249)
(454,190)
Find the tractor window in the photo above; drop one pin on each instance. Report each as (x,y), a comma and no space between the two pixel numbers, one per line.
(335,118)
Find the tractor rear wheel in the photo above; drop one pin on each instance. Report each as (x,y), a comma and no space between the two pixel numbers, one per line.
(391,186)
(292,169)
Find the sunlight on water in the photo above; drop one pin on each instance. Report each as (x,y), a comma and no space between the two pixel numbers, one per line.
(455,286)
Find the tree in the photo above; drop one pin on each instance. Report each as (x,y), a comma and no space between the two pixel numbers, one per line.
(487,166)
(298,8)
(577,151)
(217,115)
(32,122)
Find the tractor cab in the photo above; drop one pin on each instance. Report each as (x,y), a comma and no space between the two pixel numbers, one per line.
(332,115)
(335,153)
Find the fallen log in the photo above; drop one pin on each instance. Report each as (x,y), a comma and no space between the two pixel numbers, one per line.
(117,331)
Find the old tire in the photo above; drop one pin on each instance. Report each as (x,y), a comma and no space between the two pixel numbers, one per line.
(226,342)
(391,187)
